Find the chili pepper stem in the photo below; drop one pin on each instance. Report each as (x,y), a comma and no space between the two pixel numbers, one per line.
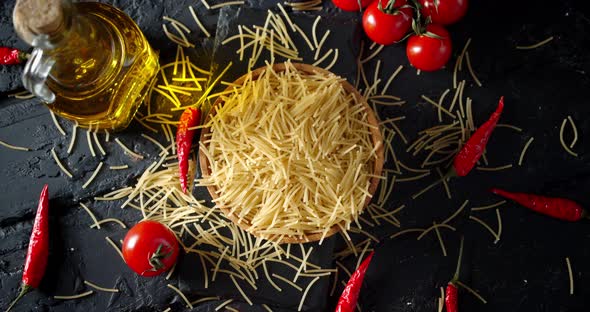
(452,173)
(23,56)
(458,269)
(24,289)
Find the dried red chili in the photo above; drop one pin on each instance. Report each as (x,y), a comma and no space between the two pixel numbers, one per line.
(559,208)
(191,117)
(452,292)
(475,146)
(350,294)
(11,56)
(38,251)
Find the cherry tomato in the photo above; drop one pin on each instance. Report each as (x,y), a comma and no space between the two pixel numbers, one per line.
(351,5)
(150,248)
(429,53)
(448,11)
(384,27)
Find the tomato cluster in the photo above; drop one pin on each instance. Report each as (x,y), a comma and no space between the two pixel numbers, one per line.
(389,21)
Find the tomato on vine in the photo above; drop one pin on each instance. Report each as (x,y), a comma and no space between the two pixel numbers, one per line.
(150,248)
(389,24)
(429,50)
(444,12)
(351,5)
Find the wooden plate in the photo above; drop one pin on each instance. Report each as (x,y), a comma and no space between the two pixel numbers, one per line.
(376,138)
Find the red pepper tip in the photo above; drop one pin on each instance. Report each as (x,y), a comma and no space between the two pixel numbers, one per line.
(501,104)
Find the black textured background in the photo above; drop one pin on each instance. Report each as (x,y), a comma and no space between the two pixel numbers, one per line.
(525,271)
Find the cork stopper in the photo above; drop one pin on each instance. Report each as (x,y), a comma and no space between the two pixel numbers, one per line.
(32,18)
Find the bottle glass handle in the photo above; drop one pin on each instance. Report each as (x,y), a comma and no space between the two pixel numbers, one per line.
(35,74)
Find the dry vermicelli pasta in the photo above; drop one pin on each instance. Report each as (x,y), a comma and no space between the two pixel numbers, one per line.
(298,163)
(113,290)
(223,304)
(198,22)
(494,168)
(97,141)
(502,202)
(13,147)
(119,222)
(91,215)
(57,125)
(562,140)
(524,150)
(306,291)
(89,140)
(473,292)
(73,139)
(575,139)
(84,294)
(60,165)
(127,150)
(536,45)
(224,4)
(110,241)
(93,176)
(570,274)
(188,303)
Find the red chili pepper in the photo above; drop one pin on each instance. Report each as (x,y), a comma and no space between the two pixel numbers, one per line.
(452,292)
(191,117)
(38,249)
(350,294)
(475,146)
(559,208)
(452,298)
(10,56)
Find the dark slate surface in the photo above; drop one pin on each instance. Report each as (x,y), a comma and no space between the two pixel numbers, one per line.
(525,271)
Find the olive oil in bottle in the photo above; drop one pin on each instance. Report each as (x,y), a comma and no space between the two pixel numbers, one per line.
(91,63)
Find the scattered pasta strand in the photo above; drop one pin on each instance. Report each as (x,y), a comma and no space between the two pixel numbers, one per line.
(471,70)
(524,150)
(494,168)
(486,226)
(112,290)
(91,215)
(59,164)
(82,295)
(56,123)
(224,4)
(562,140)
(198,22)
(499,217)
(570,274)
(517,129)
(93,176)
(119,222)
(536,45)
(492,206)
(127,150)
(223,304)
(241,290)
(13,147)
(575,139)
(110,241)
(89,140)
(73,139)
(473,292)
(306,291)
(440,241)
(188,303)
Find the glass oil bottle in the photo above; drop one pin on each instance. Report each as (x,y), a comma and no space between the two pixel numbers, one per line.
(91,62)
